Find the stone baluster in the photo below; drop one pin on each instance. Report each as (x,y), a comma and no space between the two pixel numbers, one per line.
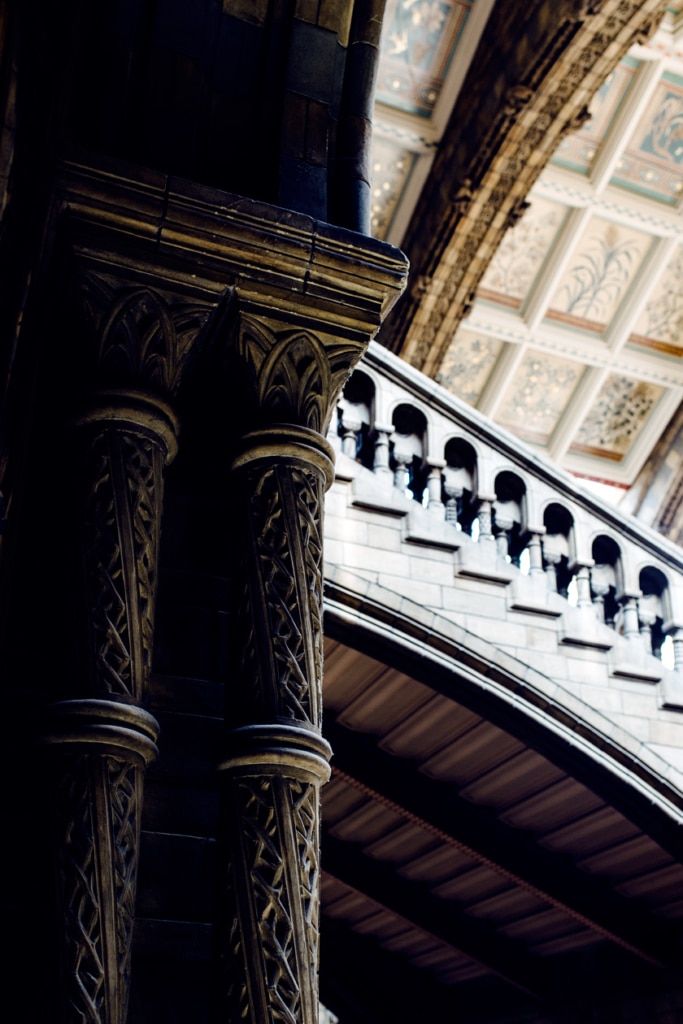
(600,591)
(552,559)
(629,613)
(485,516)
(501,531)
(677,641)
(453,503)
(583,585)
(381,466)
(274,758)
(403,461)
(350,430)
(646,618)
(100,738)
(434,485)
(535,552)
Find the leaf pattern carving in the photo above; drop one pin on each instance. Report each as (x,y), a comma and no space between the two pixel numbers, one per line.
(143,338)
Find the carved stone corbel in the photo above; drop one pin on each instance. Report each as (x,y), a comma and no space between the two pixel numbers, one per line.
(101,737)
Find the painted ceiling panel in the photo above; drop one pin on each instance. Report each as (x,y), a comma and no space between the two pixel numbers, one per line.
(617,417)
(538,394)
(391,168)
(578,151)
(600,270)
(521,254)
(419,40)
(580,281)
(660,325)
(468,364)
(652,163)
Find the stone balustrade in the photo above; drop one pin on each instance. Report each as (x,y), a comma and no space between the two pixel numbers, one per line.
(588,593)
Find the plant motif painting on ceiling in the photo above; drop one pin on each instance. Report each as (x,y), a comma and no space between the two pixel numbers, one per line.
(604,265)
(617,417)
(662,319)
(520,255)
(468,363)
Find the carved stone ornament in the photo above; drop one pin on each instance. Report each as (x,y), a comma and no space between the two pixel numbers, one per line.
(292,305)
(287,382)
(102,741)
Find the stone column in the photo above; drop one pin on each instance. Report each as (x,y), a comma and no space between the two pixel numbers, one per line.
(101,738)
(276,758)
(285,364)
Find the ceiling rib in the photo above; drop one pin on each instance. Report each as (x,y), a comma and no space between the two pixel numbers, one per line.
(503,372)
(576,410)
(548,280)
(436,808)
(653,267)
(441,919)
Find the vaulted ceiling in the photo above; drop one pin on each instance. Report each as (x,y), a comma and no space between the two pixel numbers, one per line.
(567,328)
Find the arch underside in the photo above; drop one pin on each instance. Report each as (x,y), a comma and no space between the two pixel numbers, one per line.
(486,837)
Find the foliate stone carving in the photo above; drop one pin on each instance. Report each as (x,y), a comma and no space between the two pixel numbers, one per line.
(289,376)
(143,338)
(271,956)
(280,613)
(102,748)
(516,98)
(125,434)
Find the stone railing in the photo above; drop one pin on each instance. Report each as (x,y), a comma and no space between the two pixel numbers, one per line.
(457,483)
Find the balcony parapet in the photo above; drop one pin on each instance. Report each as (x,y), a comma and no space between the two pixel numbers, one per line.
(433,499)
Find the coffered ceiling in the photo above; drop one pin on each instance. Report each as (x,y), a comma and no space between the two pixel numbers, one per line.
(574,340)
